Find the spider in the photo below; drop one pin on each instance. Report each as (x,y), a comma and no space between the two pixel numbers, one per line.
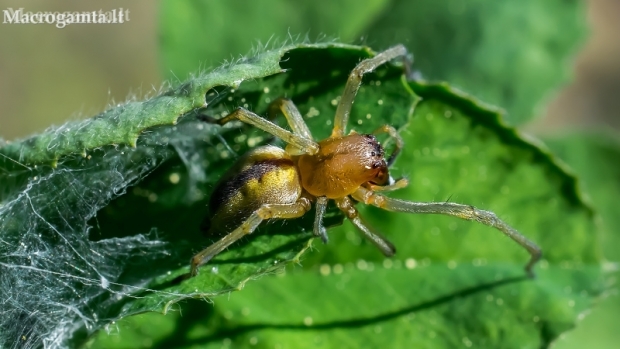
(273,183)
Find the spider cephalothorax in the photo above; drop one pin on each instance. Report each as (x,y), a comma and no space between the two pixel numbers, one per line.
(342,165)
(269,182)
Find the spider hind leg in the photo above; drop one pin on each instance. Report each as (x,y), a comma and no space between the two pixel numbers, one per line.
(265,212)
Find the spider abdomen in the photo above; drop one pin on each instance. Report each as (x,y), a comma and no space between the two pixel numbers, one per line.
(265,175)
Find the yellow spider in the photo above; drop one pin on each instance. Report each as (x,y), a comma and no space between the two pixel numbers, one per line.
(273,183)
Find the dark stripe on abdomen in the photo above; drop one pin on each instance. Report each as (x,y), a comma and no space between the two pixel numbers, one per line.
(228,188)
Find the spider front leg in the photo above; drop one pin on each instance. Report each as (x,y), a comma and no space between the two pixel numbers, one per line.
(466,212)
(353,84)
(399,184)
(267,211)
(346,205)
(303,144)
(391,131)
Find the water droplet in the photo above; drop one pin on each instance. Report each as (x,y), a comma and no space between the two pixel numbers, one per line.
(387,263)
(362,265)
(467,342)
(312,112)
(410,263)
(174,178)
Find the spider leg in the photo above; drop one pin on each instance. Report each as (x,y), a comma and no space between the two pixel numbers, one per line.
(292,115)
(399,141)
(456,210)
(399,184)
(303,144)
(319,229)
(267,211)
(346,205)
(353,84)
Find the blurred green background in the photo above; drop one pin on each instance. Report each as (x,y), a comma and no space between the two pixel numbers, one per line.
(50,75)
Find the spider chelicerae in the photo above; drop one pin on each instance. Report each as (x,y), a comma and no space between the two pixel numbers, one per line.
(273,183)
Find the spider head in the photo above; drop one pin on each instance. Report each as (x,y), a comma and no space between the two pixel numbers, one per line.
(373,160)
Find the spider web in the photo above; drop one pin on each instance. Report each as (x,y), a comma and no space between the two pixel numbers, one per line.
(53,278)
(63,273)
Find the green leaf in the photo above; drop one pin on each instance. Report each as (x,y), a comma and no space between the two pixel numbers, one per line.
(451,282)
(510,53)
(594,156)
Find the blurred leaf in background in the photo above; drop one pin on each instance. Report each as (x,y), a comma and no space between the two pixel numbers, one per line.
(595,156)
(513,54)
